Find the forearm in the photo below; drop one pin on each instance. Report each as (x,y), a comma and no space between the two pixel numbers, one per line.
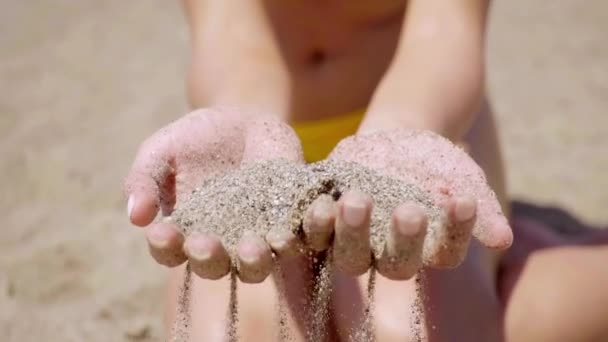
(436,79)
(235,58)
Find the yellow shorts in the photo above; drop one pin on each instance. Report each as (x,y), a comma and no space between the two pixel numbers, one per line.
(319,137)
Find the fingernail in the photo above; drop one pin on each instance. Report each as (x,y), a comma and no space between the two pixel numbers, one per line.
(277,239)
(130,204)
(410,226)
(465,209)
(200,254)
(354,214)
(249,253)
(321,216)
(158,240)
(250,246)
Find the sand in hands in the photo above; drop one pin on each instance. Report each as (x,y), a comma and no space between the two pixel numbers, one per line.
(274,195)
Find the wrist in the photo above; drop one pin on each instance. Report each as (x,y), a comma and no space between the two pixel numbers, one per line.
(452,126)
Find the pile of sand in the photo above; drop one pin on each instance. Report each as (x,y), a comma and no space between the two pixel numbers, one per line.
(275,195)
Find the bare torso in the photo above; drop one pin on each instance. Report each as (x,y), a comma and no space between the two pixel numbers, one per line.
(336,53)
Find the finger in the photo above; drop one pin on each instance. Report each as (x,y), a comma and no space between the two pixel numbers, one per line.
(402,254)
(284,243)
(493,229)
(447,247)
(352,251)
(165,244)
(254,259)
(319,222)
(150,179)
(207,256)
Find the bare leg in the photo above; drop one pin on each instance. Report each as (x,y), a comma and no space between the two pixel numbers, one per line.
(257,306)
(557,275)
(455,299)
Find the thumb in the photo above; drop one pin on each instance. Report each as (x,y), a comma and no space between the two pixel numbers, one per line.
(150,179)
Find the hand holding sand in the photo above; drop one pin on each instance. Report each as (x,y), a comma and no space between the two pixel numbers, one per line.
(417,182)
(404,198)
(451,179)
(182,156)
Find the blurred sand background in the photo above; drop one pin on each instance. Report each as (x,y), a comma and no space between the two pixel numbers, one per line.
(83,82)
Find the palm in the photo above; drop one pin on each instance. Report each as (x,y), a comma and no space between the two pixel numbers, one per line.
(180,157)
(204,144)
(438,167)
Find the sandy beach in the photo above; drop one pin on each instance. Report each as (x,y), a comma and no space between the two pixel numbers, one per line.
(82,83)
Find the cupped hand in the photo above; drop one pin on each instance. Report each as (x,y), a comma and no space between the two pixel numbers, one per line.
(445,172)
(178,158)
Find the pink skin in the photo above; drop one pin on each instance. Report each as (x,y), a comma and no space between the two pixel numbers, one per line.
(455,182)
(406,238)
(448,175)
(172,162)
(446,172)
(208,142)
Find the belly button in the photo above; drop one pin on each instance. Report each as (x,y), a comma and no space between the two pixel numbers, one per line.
(317,57)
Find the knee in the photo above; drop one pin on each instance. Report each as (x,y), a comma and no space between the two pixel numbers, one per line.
(557,298)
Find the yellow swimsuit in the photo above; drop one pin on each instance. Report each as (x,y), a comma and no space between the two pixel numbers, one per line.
(319,137)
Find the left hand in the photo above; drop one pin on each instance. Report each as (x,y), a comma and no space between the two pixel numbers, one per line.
(450,177)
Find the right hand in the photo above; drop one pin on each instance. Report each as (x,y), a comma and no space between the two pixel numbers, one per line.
(178,158)
(447,174)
